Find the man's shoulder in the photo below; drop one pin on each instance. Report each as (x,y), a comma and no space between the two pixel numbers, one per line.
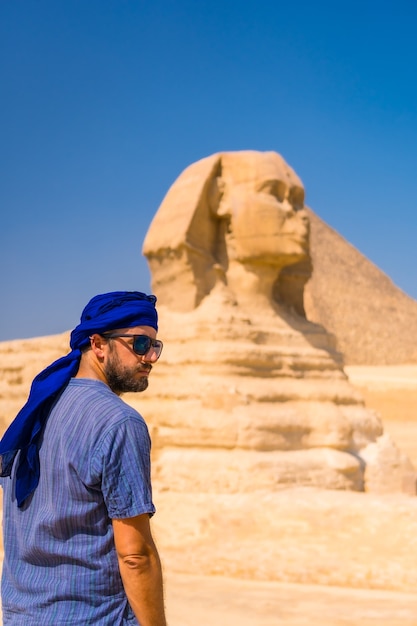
(92,400)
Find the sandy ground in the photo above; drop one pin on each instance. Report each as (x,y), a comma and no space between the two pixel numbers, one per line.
(212,601)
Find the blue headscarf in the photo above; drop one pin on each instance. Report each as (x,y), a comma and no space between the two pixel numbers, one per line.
(109,311)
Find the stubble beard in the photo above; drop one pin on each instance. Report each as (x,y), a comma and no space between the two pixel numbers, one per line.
(123,379)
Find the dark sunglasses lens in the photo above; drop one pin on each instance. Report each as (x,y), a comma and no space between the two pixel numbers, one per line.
(142,344)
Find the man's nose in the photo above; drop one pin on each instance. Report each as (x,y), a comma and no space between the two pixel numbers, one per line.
(150,356)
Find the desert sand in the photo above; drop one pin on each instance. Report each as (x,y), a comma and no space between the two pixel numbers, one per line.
(209,601)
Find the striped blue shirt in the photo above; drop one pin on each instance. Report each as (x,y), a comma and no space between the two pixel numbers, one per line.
(60,565)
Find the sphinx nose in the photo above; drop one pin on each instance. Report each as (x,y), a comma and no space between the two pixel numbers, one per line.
(286,206)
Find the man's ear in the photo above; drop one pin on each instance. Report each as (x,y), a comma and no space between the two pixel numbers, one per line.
(98,343)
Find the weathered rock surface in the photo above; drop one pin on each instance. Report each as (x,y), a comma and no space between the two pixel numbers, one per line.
(20,362)
(246,379)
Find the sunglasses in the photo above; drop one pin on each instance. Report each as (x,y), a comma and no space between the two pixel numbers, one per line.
(142,344)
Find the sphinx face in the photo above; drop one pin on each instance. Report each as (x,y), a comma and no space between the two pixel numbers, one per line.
(229,219)
(269,223)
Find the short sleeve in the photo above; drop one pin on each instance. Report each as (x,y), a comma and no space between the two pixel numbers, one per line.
(122,460)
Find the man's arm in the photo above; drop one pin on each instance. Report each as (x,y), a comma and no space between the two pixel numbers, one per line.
(140,569)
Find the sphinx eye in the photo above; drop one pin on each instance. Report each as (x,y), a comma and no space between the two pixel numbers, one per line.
(296,198)
(274,188)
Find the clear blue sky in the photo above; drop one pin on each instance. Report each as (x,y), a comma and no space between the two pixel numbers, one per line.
(105,102)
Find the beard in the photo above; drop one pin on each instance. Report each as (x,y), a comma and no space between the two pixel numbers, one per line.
(123,379)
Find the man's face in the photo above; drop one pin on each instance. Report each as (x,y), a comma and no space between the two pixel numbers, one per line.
(125,370)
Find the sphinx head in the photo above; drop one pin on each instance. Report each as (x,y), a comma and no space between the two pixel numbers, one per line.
(263,202)
(237,217)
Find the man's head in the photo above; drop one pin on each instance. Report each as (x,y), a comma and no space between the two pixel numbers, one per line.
(130,311)
(118,338)
(124,358)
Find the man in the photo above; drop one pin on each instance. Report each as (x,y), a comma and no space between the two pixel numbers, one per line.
(77,539)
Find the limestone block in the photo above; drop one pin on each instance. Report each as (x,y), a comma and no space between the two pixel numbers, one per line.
(292,426)
(233,471)
(254,426)
(20,361)
(188,424)
(366,425)
(387,469)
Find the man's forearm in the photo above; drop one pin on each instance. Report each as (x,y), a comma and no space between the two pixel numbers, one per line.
(142,580)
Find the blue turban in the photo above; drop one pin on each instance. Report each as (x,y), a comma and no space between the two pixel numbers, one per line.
(109,311)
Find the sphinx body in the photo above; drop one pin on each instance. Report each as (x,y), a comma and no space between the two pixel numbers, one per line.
(250,395)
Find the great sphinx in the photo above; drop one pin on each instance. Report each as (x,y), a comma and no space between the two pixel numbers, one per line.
(253,395)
